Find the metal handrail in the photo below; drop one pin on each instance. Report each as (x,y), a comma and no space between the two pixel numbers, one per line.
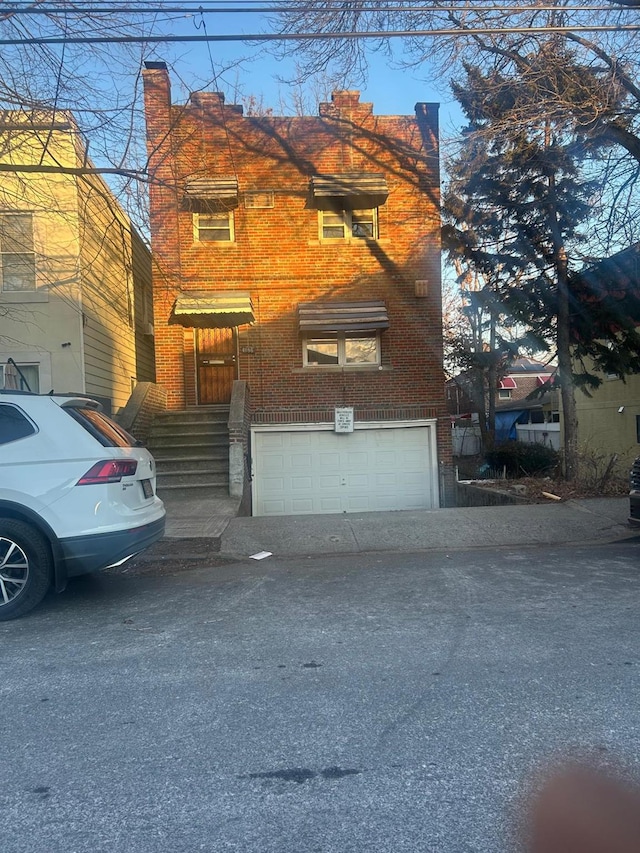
(23,380)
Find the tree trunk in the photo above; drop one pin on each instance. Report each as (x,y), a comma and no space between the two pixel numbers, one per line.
(565,375)
(563,334)
(492,380)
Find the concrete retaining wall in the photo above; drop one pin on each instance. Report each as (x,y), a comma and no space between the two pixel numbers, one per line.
(468,494)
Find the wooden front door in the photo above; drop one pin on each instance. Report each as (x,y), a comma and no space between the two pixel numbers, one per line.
(217,365)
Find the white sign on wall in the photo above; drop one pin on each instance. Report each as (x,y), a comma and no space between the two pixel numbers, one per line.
(344,419)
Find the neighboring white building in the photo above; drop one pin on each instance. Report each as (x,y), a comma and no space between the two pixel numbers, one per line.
(75,277)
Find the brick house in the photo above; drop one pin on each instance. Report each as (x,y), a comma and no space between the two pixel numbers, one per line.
(522,377)
(298,259)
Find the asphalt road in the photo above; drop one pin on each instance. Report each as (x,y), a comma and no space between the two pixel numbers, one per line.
(356,704)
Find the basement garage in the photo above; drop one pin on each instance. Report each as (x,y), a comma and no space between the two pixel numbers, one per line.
(312,469)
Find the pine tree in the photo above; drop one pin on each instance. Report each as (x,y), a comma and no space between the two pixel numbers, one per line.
(525,199)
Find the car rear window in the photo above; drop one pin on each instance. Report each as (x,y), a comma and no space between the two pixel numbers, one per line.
(13,424)
(102,428)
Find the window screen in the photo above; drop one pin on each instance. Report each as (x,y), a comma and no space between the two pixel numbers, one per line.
(18,258)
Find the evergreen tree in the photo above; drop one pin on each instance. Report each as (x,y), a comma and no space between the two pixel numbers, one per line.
(521,193)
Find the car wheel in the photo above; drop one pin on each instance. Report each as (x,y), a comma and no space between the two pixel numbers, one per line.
(25,568)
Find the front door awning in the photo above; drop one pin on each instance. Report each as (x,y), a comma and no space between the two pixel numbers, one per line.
(202,309)
(333,317)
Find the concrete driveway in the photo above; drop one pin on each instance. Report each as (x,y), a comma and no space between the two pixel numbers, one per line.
(360,702)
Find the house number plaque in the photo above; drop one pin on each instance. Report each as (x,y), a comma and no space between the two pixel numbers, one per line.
(344,419)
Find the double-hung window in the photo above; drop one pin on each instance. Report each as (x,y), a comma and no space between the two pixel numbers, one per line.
(214,227)
(345,224)
(342,349)
(18,256)
(27,378)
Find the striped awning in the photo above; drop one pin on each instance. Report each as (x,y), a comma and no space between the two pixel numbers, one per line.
(211,189)
(507,384)
(354,189)
(201,309)
(331,317)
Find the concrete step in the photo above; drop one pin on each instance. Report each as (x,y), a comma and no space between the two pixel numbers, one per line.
(194,416)
(175,450)
(202,489)
(189,428)
(186,439)
(219,479)
(217,461)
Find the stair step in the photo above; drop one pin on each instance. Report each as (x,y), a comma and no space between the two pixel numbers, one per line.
(193,416)
(207,473)
(206,488)
(189,441)
(218,469)
(189,451)
(168,431)
(192,463)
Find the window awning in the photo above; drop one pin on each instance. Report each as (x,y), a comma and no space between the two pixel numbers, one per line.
(508,383)
(214,192)
(202,309)
(331,317)
(544,379)
(211,189)
(353,189)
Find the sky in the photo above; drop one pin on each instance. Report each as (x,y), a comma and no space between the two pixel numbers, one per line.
(257,73)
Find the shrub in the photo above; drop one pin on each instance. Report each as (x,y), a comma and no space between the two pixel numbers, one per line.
(523,460)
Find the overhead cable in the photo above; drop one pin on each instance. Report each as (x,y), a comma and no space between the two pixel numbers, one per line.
(264,37)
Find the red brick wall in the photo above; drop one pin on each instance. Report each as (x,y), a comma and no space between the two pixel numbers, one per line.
(279,259)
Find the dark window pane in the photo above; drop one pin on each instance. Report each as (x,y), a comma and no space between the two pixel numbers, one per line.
(102,428)
(13,424)
(363,224)
(363,229)
(322,352)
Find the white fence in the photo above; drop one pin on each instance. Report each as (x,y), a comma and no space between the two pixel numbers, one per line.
(466,440)
(547,434)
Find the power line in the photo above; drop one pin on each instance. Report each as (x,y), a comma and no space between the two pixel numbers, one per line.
(103,9)
(264,37)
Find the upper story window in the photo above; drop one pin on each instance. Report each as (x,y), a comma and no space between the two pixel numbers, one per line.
(504,393)
(345,224)
(213,227)
(18,256)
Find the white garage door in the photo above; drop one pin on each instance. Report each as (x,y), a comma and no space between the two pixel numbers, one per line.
(320,471)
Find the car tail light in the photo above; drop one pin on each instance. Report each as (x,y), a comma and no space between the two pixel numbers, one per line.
(108,471)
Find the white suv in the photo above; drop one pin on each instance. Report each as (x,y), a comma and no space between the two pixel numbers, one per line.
(76,495)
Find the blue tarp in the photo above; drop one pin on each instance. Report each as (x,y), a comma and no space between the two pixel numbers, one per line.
(506,425)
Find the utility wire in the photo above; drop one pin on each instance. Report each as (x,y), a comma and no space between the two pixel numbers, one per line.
(259,37)
(371,7)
